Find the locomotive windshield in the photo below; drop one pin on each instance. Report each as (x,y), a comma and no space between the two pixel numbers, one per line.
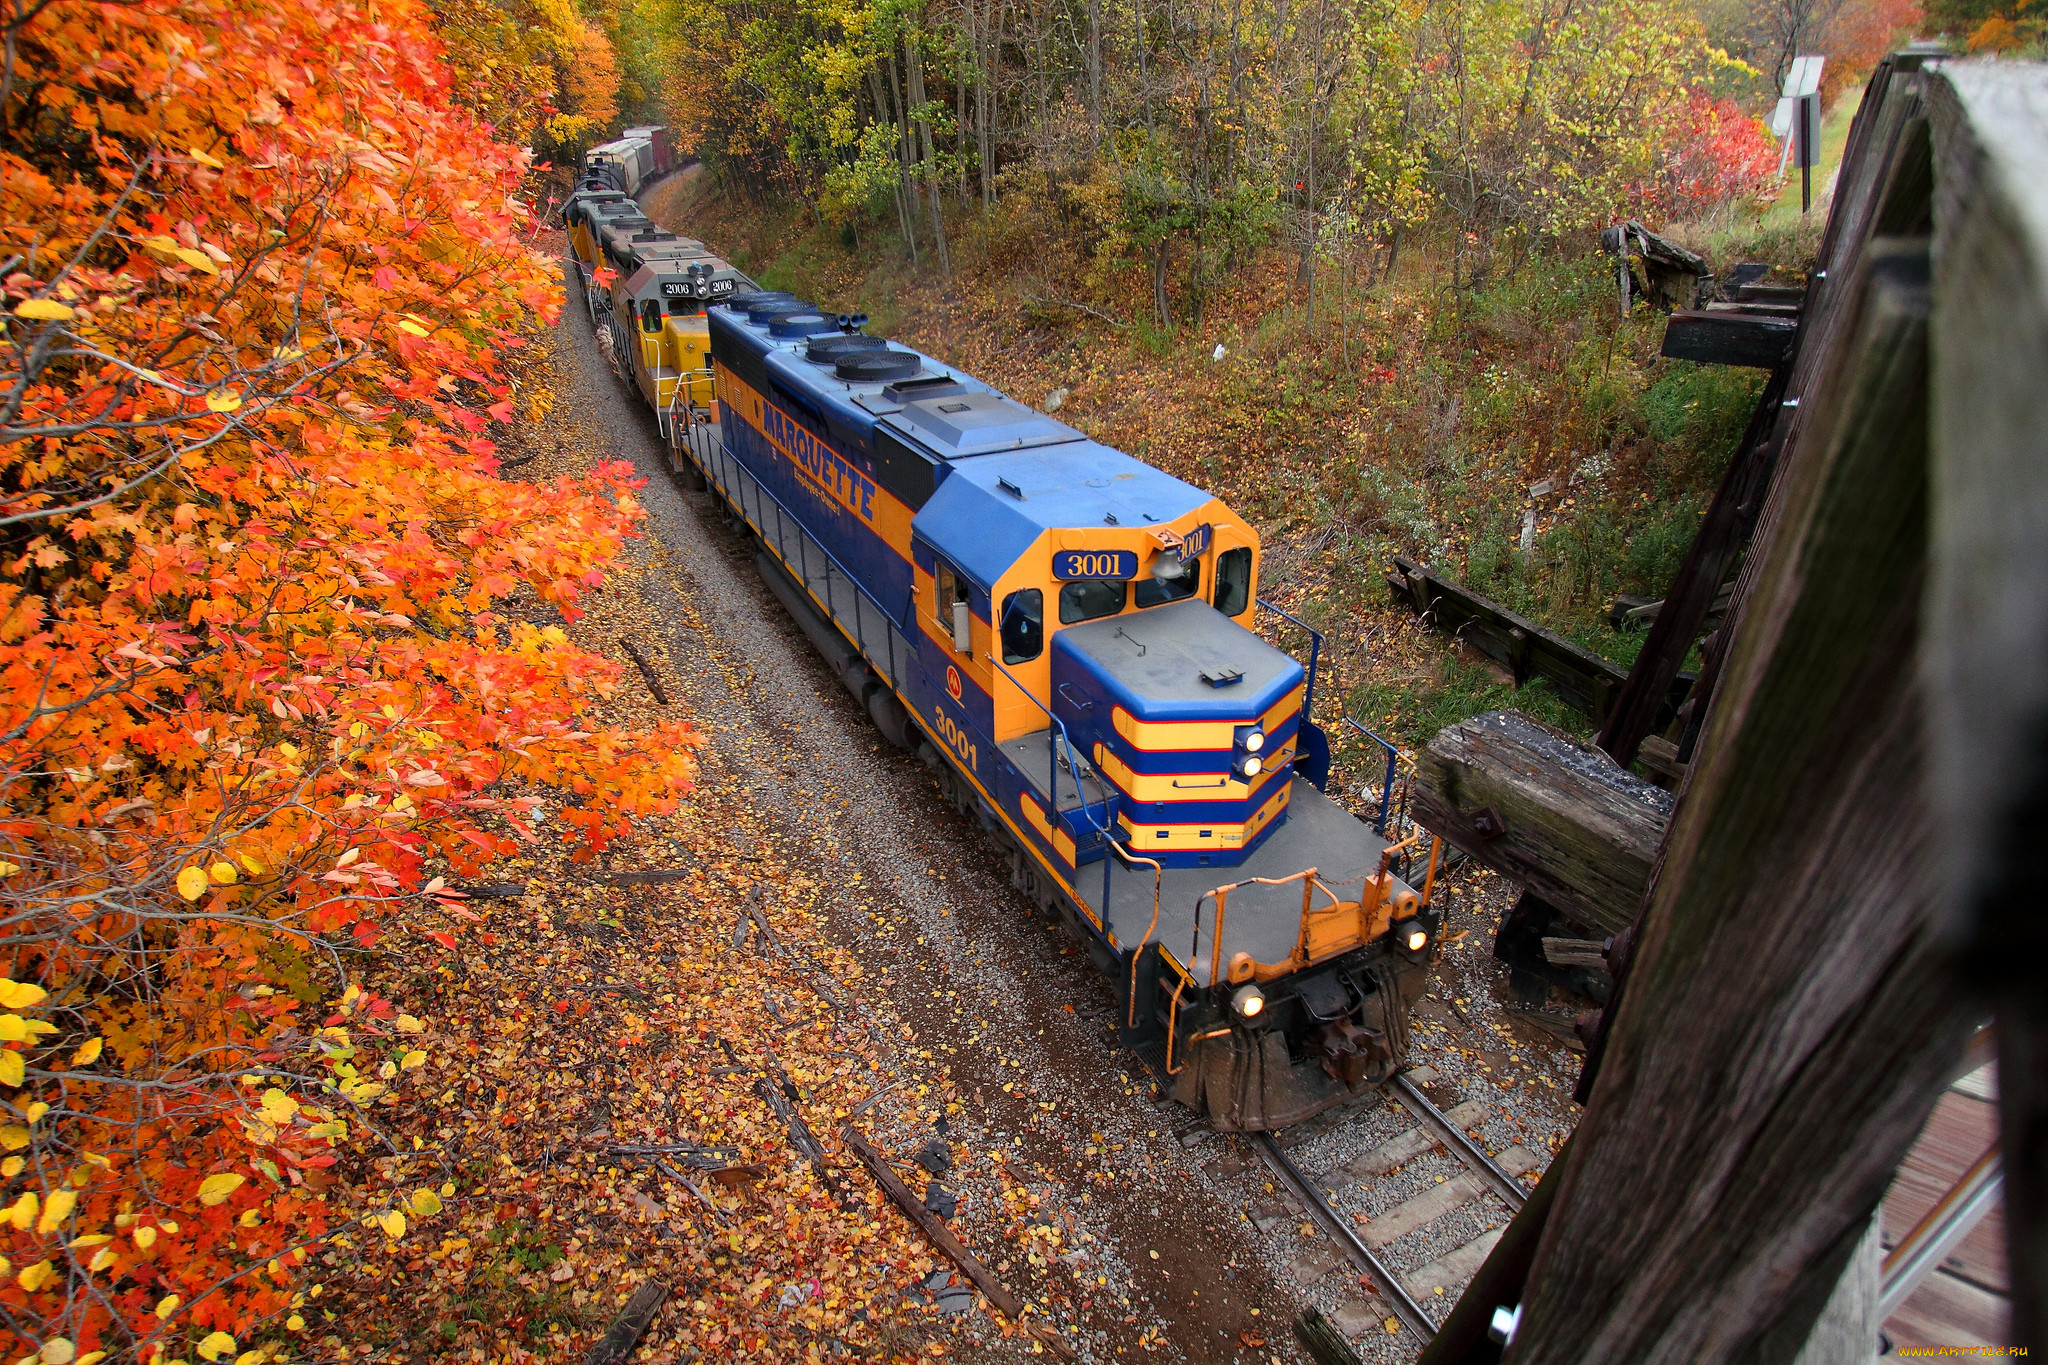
(1152,591)
(1084,599)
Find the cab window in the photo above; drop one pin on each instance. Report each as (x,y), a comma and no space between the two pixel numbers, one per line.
(1084,599)
(650,316)
(1153,591)
(685,308)
(1234,581)
(948,588)
(1023,626)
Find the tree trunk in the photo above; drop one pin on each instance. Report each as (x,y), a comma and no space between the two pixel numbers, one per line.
(1160,309)
(914,62)
(884,109)
(1094,73)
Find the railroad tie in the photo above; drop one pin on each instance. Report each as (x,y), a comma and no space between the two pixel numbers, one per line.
(1404,1148)
(1438,1200)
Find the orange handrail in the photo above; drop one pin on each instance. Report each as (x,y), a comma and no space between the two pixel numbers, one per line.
(1222,894)
(1158,872)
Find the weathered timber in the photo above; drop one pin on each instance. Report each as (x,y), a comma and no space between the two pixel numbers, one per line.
(1697,592)
(1567,822)
(1321,1339)
(1576,952)
(1787,1020)
(1721,336)
(615,1347)
(1987,609)
(1582,679)
(941,1237)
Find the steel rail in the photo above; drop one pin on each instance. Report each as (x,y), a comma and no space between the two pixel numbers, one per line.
(1404,1304)
(1468,1151)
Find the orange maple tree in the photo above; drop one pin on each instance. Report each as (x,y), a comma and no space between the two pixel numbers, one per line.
(279,650)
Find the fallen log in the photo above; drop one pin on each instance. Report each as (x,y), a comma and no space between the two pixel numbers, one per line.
(1561,819)
(615,1347)
(991,1288)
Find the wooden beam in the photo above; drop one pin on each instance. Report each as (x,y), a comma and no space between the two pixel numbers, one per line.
(1639,706)
(1541,809)
(1987,615)
(1787,1021)
(1729,337)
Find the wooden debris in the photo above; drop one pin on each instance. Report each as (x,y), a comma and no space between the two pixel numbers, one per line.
(491,891)
(646,669)
(1321,1339)
(652,877)
(1576,952)
(1565,821)
(1727,336)
(991,1288)
(616,1345)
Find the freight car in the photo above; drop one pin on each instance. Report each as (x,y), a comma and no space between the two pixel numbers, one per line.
(1063,633)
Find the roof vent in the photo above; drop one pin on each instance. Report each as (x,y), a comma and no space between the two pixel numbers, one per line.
(762,307)
(823,350)
(870,367)
(800,324)
(1222,677)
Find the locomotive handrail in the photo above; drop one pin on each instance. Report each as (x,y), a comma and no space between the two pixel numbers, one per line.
(1387,787)
(1315,653)
(1158,876)
(1053,747)
(1222,895)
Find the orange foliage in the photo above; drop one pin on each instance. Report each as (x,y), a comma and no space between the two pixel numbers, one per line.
(275,640)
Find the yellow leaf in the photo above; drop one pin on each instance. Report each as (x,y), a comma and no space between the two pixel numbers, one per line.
(414,1060)
(220,400)
(250,1218)
(405,325)
(408,1024)
(44,310)
(92,1358)
(447,1189)
(57,1209)
(216,1188)
(8,869)
(14,1137)
(13,1029)
(198,260)
(222,873)
(12,1069)
(278,1107)
(89,1053)
(145,1237)
(216,1345)
(103,1258)
(21,995)
(96,1239)
(22,1211)
(192,881)
(59,1351)
(35,1111)
(425,1203)
(11,1168)
(295,1323)
(203,159)
(250,1358)
(251,864)
(36,1276)
(332,1129)
(167,1305)
(393,1224)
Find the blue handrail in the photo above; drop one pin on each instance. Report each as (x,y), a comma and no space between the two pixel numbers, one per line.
(1387,787)
(1315,653)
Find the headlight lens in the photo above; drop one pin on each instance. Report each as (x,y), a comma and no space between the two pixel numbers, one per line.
(1251,767)
(1254,742)
(1411,935)
(1418,939)
(1248,1001)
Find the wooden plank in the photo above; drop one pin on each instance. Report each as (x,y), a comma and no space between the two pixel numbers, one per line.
(1452,1269)
(1947,1310)
(1959,1131)
(1405,1147)
(1581,678)
(1728,337)
(1425,1208)
(1563,820)
(1786,1023)
(928,1223)
(615,1347)
(1694,594)
(1988,594)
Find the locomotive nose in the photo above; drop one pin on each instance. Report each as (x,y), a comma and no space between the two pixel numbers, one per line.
(1192,718)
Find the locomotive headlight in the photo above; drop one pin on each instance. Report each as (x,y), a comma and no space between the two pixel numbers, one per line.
(1248,1001)
(1248,740)
(1411,934)
(1250,765)
(1254,742)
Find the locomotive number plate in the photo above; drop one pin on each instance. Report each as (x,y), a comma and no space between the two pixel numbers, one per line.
(1071,564)
(675,289)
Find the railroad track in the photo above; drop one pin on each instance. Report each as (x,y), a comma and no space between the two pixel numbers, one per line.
(1392,1247)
